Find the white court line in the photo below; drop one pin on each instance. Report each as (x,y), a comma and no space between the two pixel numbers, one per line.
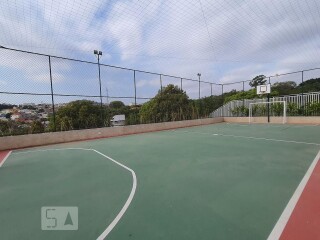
(284,218)
(50,149)
(255,138)
(5,158)
(277,125)
(127,203)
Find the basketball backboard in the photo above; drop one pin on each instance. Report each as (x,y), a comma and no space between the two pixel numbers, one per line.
(264,89)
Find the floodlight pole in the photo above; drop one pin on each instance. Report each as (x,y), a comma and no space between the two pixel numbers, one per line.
(199,75)
(99,53)
(107,91)
(52,98)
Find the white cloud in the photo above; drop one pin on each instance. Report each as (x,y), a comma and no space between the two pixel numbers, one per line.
(3,82)
(241,40)
(144,83)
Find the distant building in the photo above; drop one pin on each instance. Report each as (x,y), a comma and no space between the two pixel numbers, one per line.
(5,111)
(28,104)
(15,116)
(3,117)
(118,120)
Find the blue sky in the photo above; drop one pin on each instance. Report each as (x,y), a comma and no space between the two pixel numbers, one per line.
(224,40)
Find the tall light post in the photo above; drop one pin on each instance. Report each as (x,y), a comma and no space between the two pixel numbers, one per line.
(98,54)
(107,96)
(199,75)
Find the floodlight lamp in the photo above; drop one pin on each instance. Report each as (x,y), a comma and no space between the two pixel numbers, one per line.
(95,51)
(100,53)
(199,74)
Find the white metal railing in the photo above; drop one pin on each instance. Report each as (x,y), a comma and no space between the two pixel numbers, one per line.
(299,99)
(284,114)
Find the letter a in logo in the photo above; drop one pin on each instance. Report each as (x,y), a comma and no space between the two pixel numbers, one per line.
(68,220)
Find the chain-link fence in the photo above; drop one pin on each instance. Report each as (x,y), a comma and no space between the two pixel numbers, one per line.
(300,89)
(35,90)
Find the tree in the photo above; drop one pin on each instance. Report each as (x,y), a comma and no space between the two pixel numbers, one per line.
(311,85)
(6,106)
(80,114)
(116,104)
(284,88)
(4,127)
(37,127)
(8,115)
(170,104)
(258,80)
(250,94)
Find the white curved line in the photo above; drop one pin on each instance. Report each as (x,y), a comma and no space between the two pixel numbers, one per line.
(127,203)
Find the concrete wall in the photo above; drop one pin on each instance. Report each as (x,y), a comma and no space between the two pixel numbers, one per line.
(31,140)
(290,120)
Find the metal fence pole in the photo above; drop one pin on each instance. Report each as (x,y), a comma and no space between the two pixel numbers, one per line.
(160,84)
(211,88)
(52,99)
(302,95)
(101,105)
(135,87)
(222,99)
(181,84)
(199,75)
(243,94)
(268,105)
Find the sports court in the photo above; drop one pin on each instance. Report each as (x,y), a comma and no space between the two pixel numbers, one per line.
(219,181)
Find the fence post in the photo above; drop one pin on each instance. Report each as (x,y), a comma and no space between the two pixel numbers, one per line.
(302,95)
(135,87)
(52,99)
(199,75)
(211,88)
(222,100)
(101,106)
(181,84)
(160,84)
(243,94)
(268,100)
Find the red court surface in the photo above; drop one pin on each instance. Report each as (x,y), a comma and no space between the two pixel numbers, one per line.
(3,155)
(304,222)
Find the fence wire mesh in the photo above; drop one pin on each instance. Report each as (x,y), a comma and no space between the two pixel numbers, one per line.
(36,88)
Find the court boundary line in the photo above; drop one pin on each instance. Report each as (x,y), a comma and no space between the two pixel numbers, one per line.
(248,137)
(105,137)
(275,125)
(114,222)
(5,158)
(287,212)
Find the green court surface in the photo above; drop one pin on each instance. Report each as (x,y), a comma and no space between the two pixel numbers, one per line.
(221,181)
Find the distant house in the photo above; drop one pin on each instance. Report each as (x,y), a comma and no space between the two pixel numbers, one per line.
(3,117)
(118,120)
(15,116)
(5,111)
